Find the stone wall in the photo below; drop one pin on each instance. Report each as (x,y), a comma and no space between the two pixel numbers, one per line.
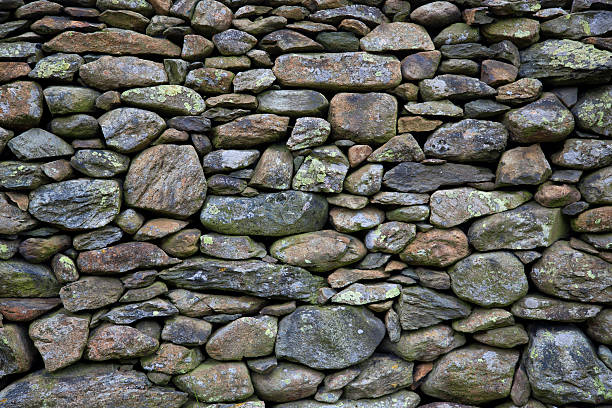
(305,203)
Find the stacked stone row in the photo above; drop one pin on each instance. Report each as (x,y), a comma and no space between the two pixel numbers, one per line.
(305,203)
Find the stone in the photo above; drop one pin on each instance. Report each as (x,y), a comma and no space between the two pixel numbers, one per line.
(522,165)
(422,307)
(38,144)
(90,384)
(77,126)
(233,42)
(592,111)
(265,214)
(210,16)
(194,304)
(360,294)
(109,341)
(137,311)
(172,359)
(128,130)
(323,170)
(99,163)
(421,178)
(335,71)
(60,338)
(390,237)
(484,319)
(490,279)
(158,228)
(437,247)
(90,292)
(367,14)
(578,25)
(210,80)
(436,14)
(337,336)
(565,61)
(543,121)
(467,141)
(186,331)
(37,250)
(252,277)
(503,337)
(347,220)
(552,195)
(274,169)
(70,99)
(250,131)
(231,247)
(598,328)
(123,258)
(435,108)
(425,344)
(400,399)
(287,382)
(484,108)
(453,207)
(521,31)
(167,188)
(25,310)
(122,72)
(584,154)
(244,337)
(215,381)
(294,103)
(454,87)
(577,376)
(97,239)
(286,41)
(397,36)
(363,118)
(144,293)
(308,132)
(380,375)
(538,307)
(495,73)
(12,219)
(338,41)
(57,67)
(16,350)
(366,180)
(22,107)
(473,375)
(168,99)
(319,251)
(399,148)
(573,275)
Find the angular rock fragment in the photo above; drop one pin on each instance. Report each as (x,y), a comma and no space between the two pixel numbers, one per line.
(128,130)
(245,337)
(123,258)
(215,381)
(16,350)
(421,307)
(23,279)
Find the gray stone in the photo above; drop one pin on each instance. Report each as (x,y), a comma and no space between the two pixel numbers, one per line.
(593,110)
(584,154)
(265,214)
(22,279)
(57,67)
(122,72)
(380,375)
(454,87)
(137,311)
(215,381)
(243,338)
(329,337)
(421,178)
(308,132)
(70,99)
(168,99)
(538,307)
(422,307)
(109,341)
(400,399)
(596,187)
(99,163)
(38,144)
(129,130)
(228,160)
(323,170)
(287,382)
(16,350)
(360,294)
(426,344)
(231,247)
(12,219)
(90,292)
(294,103)
(397,36)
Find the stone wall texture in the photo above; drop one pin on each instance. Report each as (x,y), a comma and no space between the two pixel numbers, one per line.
(305,203)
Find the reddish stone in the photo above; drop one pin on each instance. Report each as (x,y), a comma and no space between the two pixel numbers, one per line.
(437,247)
(123,258)
(24,309)
(13,70)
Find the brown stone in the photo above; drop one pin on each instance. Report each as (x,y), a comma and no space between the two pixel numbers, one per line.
(437,247)
(36,250)
(420,65)
(358,153)
(344,276)
(249,131)
(115,42)
(90,292)
(24,310)
(522,165)
(21,106)
(123,258)
(595,220)
(407,124)
(13,70)
(497,73)
(172,359)
(111,341)
(555,195)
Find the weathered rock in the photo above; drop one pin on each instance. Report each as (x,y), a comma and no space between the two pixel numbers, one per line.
(70,99)
(323,170)
(380,375)
(347,220)
(521,31)
(390,237)
(137,311)
(436,247)
(115,342)
(236,42)
(454,207)
(337,336)
(367,14)
(299,102)
(22,279)
(503,337)
(543,121)
(228,160)
(360,294)
(335,71)
(598,328)
(129,130)
(522,165)
(99,163)
(210,16)
(214,381)
(123,258)
(122,72)
(168,99)
(576,376)
(594,220)
(198,304)
(97,239)
(265,214)
(249,131)
(454,87)
(584,154)
(112,41)
(286,41)
(538,307)
(172,359)
(472,375)
(38,144)
(88,385)
(421,307)
(24,310)
(425,344)
(287,382)
(22,107)
(593,111)
(251,277)
(231,247)
(210,80)
(16,350)
(566,62)
(420,65)
(420,178)
(186,331)
(574,275)
(12,219)
(363,118)
(578,25)
(400,399)
(491,279)
(274,169)
(436,14)
(57,67)
(526,227)
(244,337)
(175,187)
(319,251)
(484,319)
(90,292)
(397,36)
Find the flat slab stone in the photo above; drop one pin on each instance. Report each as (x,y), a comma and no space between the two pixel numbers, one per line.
(168,99)
(123,258)
(252,277)
(336,71)
(273,214)
(24,279)
(421,178)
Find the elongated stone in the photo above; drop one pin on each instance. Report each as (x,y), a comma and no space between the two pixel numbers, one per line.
(335,71)
(123,258)
(122,72)
(23,279)
(420,178)
(252,277)
(168,99)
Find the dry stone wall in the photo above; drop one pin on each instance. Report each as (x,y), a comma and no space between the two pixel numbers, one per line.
(305,203)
